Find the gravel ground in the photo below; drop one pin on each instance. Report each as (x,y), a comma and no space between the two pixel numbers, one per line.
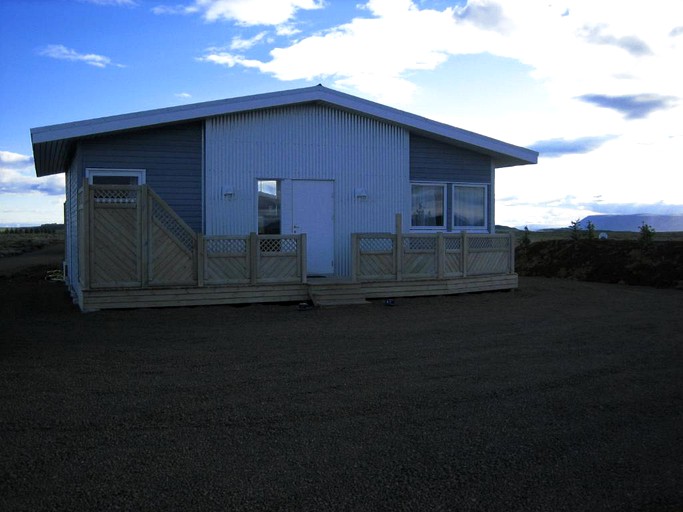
(559,396)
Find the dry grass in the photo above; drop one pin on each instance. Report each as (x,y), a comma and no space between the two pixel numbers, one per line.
(12,244)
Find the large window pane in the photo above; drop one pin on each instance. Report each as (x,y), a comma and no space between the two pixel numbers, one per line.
(469,206)
(427,209)
(269,197)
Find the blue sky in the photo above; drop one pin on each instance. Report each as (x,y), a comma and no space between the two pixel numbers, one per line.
(594,86)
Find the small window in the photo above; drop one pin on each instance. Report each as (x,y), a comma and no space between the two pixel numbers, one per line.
(469,207)
(115,176)
(427,206)
(269,199)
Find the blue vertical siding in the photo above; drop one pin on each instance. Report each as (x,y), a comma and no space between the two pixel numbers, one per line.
(171,156)
(71,254)
(307,142)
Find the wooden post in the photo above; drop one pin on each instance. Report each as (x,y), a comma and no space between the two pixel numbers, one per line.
(87,234)
(143,226)
(464,252)
(303,257)
(253,257)
(201,258)
(150,238)
(440,255)
(355,257)
(398,248)
(512,253)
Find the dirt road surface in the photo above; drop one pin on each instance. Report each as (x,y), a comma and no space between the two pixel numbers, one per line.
(560,396)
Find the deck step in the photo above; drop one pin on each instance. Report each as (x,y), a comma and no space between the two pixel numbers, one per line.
(336,293)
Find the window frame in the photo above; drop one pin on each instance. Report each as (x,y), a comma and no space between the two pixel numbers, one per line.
(260,219)
(454,199)
(91,172)
(444,187)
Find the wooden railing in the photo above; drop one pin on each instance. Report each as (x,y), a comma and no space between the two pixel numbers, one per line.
(130,237)
(397,256)
(253,259)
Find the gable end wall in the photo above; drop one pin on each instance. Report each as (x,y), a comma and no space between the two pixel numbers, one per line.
(307,142)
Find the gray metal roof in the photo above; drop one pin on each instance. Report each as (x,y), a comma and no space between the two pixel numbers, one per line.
(53,146)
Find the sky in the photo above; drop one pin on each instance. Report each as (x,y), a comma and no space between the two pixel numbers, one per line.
(594,86)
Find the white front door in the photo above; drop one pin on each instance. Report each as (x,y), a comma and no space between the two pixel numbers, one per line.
(313,214)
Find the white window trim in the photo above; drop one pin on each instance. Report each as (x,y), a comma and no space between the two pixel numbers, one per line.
(92,171)
(445,206)
(481,229)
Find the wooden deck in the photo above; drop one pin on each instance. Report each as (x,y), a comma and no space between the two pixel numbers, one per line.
(333,293)
(134,252)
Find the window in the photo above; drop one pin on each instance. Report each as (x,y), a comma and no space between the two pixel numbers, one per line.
(115,176)
(427,206)
(469,207)
(269,199)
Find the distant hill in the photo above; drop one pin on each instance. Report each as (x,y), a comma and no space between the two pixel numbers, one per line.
(661,223)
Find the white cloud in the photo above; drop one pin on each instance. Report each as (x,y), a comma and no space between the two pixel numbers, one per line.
(17,176)
(240,44)
(244,12)
(59,51)
(174,9)
(592,62)
(370,55)
(576,47)
(183,95)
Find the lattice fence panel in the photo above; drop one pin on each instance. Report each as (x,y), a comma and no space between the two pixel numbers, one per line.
(170,263)
(226,260)
(490,243)
(226,246)
(423,244)
(167,220)
(115,195)
(278,245)
(376,245)
(114,248)
(452,243)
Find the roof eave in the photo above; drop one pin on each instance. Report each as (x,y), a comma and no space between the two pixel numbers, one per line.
(503,154)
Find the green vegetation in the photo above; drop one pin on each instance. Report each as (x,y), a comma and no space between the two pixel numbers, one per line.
(575,229)
(14,241)
(590,231)
(564,233)
(646,234)
(44,228)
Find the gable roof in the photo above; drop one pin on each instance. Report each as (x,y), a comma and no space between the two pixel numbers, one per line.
(53,146)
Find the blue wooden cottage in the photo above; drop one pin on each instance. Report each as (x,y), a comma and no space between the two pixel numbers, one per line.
(294,195)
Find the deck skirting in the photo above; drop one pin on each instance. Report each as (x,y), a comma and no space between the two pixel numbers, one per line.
(170,296)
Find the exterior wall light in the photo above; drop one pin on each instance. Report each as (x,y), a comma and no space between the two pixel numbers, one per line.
(228,192)
(360,193)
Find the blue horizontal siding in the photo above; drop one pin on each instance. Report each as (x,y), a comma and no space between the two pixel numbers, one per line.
(431,160)
(171,156)
(434,161)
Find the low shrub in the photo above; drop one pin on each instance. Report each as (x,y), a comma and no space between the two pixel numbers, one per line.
(609,261)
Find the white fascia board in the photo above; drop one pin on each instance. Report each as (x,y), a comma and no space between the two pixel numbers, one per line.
(503,153)
(170,115)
